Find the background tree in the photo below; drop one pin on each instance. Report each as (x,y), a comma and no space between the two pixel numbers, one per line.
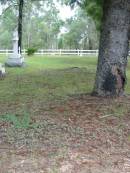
(41,24)
(20,4)
(20,19)
(43,28)
(7,24)
(80,32)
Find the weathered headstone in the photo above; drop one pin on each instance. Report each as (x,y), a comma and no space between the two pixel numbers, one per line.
(2,71)
(15,59)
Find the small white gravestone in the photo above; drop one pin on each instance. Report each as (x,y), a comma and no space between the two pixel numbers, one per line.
(2,70)
(15,59)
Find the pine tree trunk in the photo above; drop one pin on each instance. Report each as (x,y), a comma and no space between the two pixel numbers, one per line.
(113,49)
(90,45)
(20,18)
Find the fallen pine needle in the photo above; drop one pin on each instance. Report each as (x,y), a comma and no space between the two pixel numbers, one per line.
(105,116)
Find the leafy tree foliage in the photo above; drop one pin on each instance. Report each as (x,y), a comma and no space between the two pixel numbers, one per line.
(41,25)
(81,32)
(20,4)
(93,7)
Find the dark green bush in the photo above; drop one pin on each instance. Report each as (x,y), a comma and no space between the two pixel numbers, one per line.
(31,51)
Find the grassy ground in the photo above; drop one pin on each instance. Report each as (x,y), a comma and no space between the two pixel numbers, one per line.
(48,78)
(49,124)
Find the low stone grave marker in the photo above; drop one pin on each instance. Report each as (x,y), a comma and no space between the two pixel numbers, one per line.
(2,71)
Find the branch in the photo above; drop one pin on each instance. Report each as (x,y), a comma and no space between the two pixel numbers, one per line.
(7,8)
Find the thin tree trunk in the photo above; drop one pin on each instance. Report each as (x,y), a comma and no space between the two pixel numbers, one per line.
(20,18)
(28,40)
(113,49)
(84,45)
(90,45)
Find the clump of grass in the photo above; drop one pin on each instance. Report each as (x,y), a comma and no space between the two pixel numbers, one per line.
(117,109)
(18,122)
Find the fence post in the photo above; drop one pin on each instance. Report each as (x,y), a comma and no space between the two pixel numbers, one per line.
(81,53)
(6,51)
(78,52)
(60,52)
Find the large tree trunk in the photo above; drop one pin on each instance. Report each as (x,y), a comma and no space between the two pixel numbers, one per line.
(20,18)
(113,49)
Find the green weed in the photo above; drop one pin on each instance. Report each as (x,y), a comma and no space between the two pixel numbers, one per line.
(18,122)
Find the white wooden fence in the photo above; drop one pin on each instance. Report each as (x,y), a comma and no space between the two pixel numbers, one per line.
(56,52)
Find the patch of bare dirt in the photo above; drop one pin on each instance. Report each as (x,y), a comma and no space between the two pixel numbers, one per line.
(82,135)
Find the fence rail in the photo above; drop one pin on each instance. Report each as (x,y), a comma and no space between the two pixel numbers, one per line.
(55,52)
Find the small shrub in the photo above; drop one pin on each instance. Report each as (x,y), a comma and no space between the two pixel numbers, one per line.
(31,51)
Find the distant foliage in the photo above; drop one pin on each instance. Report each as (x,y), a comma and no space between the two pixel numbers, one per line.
(94,8)
(31,51)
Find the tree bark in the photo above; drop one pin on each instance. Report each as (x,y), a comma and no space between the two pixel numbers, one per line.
(20,18)
(113,49)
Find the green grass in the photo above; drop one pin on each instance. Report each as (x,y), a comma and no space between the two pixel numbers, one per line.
(47,79)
